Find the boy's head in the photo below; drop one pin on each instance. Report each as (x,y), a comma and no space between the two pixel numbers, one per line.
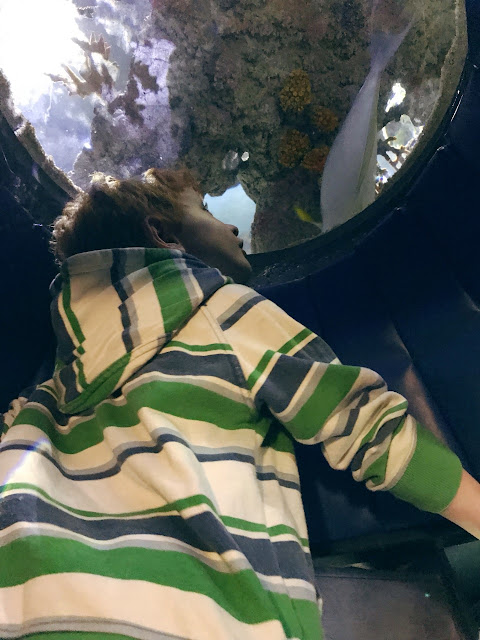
(165,210)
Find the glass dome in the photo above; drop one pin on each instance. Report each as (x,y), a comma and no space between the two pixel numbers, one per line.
(294,115)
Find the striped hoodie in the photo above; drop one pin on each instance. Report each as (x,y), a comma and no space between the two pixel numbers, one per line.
(149,489)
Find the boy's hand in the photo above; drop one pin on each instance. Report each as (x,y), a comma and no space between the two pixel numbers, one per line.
(464,509)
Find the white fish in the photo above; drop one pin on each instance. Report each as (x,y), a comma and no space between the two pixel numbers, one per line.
(348,181)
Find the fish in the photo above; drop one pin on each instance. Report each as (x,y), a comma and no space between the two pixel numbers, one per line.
(304,216)
(348,180)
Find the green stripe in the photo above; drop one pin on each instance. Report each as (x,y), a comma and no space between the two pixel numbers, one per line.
(72,318)
(284,350)
(199,347)
(277,530)
(260,368)
(37,556)
(335,384)
(74,324)
(295,341)
(100,388)
(160,395)
(172,294)
(177,505)
(432,477)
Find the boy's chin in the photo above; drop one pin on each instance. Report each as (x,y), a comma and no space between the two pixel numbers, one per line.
(243,273)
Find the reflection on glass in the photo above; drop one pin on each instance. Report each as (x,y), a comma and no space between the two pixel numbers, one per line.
(262,98)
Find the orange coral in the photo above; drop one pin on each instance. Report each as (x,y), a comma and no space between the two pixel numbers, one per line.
(293,146)
(297,91)
(324,119)
(315,159)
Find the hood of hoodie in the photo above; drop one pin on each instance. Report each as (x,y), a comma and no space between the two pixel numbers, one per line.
(114,310)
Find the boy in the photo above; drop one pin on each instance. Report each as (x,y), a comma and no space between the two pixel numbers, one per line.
(149,489)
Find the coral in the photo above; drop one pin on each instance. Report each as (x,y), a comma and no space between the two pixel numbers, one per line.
(324,119)
(315,159)
(293,146)
(297,92)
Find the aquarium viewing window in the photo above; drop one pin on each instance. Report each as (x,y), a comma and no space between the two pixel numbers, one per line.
(294,115)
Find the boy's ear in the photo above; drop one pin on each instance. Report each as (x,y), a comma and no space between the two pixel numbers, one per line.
(161,236)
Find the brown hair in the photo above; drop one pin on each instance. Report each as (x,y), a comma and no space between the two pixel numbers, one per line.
(113,213)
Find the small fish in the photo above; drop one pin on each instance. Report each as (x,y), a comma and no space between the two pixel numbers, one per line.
(348,181)
(303,215)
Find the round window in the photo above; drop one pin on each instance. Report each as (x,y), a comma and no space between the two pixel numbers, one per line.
(294,115)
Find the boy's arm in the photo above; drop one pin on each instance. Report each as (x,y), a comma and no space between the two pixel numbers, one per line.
(361,425)
(464,510)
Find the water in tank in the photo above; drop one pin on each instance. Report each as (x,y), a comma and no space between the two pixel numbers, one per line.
(294,115)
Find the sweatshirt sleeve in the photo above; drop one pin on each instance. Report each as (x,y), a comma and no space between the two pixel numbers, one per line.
(349,410)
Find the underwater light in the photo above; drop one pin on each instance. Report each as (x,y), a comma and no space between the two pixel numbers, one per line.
(36,39)
(396,98)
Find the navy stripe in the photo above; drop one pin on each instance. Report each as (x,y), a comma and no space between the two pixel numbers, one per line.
(384,432)
(283,381)
(45,399)
(208,279)
(318,350)
(364,395)
(289,484)
(65,346)
(237,315)
(220,366)
(68,378)
(117,273)
(154,447)
(202,531)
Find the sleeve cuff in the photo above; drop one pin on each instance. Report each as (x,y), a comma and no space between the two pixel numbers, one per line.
(432,477)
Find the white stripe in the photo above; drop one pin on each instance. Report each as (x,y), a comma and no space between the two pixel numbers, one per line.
(230,562)
(213,352)
(264,502)
(149,481)
(133,602)
(144,482)
(149,323)
(92,297)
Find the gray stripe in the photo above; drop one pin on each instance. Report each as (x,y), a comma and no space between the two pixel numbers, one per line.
(188,278)
(413,445)
(85,625)
(234,312)
(383,433)
(117,274)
